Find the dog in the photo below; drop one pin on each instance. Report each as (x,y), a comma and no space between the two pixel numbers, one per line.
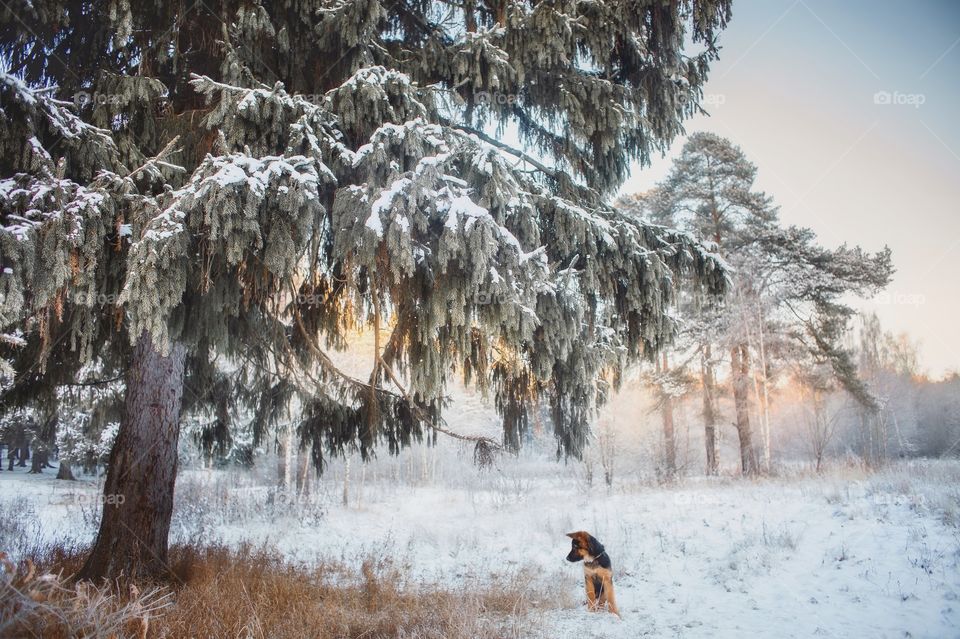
(597,571)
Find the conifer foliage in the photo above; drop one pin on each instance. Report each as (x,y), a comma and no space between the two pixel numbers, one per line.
(241,184)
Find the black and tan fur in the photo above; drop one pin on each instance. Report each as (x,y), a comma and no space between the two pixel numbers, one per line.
(597,570)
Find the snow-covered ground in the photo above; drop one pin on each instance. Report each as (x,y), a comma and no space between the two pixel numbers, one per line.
(845,555)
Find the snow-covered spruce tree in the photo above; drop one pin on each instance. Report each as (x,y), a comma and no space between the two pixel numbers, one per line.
(784,285)
(237,185)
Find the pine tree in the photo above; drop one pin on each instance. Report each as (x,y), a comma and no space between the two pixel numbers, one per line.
(211,197)
(783,284)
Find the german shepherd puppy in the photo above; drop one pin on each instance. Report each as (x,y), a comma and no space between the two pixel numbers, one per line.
(597,572)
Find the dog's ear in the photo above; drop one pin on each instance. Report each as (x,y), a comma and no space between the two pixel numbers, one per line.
(572,535)
(594,547)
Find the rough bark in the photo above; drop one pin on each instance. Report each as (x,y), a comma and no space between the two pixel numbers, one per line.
(708,381)
(740,375)
(138,492)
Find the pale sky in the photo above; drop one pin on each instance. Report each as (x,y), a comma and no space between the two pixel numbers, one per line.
(796,87)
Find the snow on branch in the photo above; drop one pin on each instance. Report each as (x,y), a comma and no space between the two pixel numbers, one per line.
(237,204)
(43,110)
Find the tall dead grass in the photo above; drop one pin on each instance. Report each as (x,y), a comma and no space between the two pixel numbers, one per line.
(254,593)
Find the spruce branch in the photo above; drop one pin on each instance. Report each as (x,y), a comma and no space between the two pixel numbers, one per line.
(485,447)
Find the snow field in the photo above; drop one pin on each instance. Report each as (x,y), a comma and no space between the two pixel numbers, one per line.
(847,555)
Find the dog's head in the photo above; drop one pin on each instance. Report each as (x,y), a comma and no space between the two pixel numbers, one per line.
(585,547)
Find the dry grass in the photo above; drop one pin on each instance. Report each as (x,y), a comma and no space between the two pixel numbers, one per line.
(34,603)
(254,593)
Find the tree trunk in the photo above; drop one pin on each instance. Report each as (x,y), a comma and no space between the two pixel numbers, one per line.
(740,369)
(65,472)
(764,397)
(289,460)
(39,461)
(820,432)
(709,411)
(669,437)
(882,437)
(763,454)
(669,440)
(18,455)
(138,492)
(865,441)
(281,460)
(303,487)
